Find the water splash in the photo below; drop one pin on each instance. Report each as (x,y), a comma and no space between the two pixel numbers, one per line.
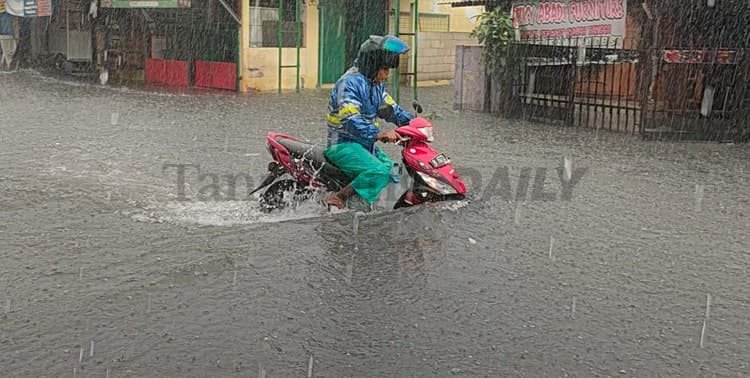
(355,222)
(232,213)
(225,213)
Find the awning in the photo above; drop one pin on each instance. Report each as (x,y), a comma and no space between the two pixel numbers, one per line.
(473,3)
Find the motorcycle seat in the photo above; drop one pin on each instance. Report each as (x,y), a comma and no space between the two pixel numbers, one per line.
(314,154)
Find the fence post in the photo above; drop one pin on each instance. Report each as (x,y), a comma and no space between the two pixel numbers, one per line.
(573,57)
(645,81)
(458,86)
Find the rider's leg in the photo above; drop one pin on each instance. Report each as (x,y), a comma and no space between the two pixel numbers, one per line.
(370,174)
(339,198)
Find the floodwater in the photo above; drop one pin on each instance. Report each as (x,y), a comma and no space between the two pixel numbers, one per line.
(110,267)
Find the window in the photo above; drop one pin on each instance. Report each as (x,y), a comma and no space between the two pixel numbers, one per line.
(264,23)
(428,22)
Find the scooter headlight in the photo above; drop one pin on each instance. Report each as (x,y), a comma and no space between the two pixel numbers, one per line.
(427,131)
(439,186)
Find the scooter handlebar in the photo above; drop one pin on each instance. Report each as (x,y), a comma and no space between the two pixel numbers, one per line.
(402,140)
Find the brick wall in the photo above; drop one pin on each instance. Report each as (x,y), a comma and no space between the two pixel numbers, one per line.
(437,54)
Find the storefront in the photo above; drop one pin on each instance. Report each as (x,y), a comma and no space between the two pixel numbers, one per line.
(699,68)
(15,17)
(175,43)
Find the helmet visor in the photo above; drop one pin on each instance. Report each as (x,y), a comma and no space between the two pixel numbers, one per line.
(395,45)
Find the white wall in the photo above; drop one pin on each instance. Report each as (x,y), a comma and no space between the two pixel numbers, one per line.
(437,54)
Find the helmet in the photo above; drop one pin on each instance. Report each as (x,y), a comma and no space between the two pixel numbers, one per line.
(380,52)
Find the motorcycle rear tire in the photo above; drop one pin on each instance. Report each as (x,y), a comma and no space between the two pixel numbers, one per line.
(273,197)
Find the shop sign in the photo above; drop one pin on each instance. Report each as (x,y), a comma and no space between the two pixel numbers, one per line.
(600,23)
(700,56)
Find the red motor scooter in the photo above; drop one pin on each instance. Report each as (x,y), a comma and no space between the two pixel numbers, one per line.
(433,178)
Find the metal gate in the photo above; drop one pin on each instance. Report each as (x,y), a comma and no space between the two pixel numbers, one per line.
(588,86)
(698,93)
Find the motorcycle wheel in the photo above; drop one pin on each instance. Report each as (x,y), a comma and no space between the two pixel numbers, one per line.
(401,203)
(274,196)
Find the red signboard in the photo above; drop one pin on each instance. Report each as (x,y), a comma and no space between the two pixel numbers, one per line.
(700,56)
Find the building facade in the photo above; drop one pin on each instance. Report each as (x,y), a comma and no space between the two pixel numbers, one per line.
(330,32)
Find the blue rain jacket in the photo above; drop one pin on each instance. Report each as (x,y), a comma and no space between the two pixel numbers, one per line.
(353,109)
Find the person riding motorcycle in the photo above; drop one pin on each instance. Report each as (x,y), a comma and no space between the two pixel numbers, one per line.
(352,125)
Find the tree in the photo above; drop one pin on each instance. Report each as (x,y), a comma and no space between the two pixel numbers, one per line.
(495,31)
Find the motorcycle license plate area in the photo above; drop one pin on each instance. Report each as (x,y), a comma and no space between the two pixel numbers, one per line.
(439,161)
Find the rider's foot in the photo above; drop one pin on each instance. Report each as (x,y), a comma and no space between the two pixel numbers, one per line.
(335,200)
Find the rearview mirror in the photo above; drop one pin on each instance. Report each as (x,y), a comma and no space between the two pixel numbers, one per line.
(385,111)
(417,107)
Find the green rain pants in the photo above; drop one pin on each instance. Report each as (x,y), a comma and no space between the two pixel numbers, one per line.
(370,173)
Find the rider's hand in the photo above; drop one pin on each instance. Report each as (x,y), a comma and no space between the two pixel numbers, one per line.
(388,136)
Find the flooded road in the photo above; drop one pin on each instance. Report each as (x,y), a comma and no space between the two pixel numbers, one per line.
(111,266)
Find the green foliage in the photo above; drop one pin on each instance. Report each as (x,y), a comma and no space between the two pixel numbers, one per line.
(495,31)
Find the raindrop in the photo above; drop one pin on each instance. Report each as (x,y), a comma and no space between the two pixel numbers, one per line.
(350,270)
(567,168)
(91,352)
(472,241)
(573,309)
(114,118)
(517,216)
(234,280)
(698,197)
(551,244)
(705,319)
(310,367)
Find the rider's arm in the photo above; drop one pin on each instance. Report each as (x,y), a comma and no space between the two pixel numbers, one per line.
(400,116)
(349,112)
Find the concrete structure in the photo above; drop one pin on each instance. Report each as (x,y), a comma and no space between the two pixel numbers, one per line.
(437,56)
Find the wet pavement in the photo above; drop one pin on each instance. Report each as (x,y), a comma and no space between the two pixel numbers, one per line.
(109,267)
